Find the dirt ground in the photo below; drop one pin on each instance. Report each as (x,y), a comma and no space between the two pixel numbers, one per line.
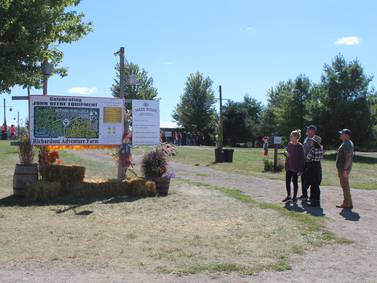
(336,263)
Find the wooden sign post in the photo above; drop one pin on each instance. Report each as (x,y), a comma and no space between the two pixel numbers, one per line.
(277,141)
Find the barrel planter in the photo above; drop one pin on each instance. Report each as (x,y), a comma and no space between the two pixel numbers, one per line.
(24,175)
(228,155)
(219,155)
(162,186)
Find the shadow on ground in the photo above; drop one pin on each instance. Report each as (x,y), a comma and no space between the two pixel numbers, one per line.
(72,203)
(314,211)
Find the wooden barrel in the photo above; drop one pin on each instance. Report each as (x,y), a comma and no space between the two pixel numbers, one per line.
(24,175)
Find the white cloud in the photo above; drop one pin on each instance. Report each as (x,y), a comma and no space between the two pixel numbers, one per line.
(82,90)
(245,29)
(348,40)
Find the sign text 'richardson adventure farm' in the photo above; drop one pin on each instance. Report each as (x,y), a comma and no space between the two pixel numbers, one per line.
(66,120)
(145,122)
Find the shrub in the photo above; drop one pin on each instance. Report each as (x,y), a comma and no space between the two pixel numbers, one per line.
(42,191)
(26,150)
(269,166)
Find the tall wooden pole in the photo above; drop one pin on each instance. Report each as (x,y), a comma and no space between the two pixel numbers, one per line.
(121,70)
(45,77)
(121,173)
(5,114)
(221,137)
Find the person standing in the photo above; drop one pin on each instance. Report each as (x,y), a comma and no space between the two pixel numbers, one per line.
(310,133)
(344,159)
(265,146)
(12,132)
(4,130)
(294,164)
(313,170)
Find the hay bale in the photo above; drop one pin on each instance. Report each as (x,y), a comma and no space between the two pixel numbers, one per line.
(140,187)
(43,191)
(87,189)
(63,174)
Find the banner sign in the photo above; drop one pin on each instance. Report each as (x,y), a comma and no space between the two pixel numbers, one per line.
(145,122)
(67,120)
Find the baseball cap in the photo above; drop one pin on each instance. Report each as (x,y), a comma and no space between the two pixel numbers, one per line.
(311,127)
(345,131)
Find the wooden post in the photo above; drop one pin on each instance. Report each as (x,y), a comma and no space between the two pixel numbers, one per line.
(121,174)
(276,147)
(5,113)
(221,131)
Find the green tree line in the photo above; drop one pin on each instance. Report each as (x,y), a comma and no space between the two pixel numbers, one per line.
(343,98)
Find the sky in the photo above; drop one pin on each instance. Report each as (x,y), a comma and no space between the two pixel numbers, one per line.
(246,46)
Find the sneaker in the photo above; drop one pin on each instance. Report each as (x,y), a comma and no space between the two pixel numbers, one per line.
(288,198)
(302,198)
(294,199)
(314,204)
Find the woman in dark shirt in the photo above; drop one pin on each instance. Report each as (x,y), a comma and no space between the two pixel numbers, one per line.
(294,164)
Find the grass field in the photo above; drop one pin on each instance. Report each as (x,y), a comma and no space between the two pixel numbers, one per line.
(162,235)
(250,162)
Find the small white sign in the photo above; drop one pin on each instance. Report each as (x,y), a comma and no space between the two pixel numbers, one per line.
(277,140)
(145,122)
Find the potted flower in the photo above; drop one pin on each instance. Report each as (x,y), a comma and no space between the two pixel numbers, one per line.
(26,171)
(155,168)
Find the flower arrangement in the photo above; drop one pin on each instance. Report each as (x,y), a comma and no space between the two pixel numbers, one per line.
(169,149)
(155,164)
(47,157)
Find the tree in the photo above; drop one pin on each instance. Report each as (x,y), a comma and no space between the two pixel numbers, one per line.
(30,32)
(195,112)
(344,102)
(288,106)
(138,84)
(242,121)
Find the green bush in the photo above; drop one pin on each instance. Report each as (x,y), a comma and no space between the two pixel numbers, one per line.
(269,166)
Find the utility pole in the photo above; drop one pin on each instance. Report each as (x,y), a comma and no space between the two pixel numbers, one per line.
(221,132)
(121,173)
(47,69)
(45,78)
(121,70)
(18,125)
(5,115)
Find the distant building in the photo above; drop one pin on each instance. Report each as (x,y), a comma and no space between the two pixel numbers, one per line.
(172,133)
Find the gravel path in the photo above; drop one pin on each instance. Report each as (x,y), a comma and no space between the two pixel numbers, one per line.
(337,263)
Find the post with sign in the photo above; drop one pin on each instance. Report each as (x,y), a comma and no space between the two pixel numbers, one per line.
(277,141)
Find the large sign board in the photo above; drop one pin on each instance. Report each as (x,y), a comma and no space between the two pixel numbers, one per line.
(67,120)
(145,122)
